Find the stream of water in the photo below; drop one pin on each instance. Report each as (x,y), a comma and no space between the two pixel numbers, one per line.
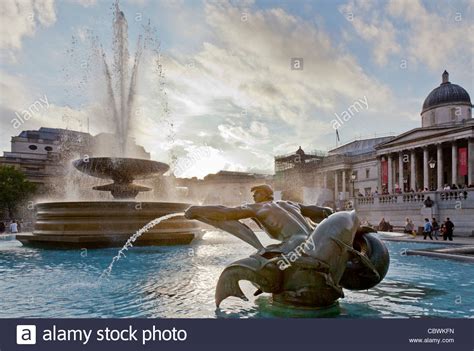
(134,237)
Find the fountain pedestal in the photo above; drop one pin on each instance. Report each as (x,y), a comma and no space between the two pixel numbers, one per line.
(95,224)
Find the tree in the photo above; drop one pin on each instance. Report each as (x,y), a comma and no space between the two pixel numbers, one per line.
(14,189)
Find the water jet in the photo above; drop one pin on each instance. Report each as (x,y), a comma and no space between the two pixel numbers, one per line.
(94,224)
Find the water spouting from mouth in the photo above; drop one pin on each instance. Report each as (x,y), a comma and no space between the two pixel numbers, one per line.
(134,237)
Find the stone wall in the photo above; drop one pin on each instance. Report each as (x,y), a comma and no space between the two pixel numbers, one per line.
(458,205)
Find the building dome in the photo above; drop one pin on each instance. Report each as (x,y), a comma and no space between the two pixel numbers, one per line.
(446,93)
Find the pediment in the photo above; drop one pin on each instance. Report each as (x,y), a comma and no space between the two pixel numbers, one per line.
(417,134)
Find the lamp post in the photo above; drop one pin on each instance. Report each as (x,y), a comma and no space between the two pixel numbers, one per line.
(405,181)
(353,179)
(432,165)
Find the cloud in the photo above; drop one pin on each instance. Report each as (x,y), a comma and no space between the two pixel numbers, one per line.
(373,28)
(21,18)
(235,94)
(85,3)
(406,29)
(239,87)
(434,39)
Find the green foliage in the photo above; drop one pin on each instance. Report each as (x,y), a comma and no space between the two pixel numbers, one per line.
(14,188)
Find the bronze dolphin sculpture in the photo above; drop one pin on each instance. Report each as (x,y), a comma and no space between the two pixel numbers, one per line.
(342,256)
(307,271)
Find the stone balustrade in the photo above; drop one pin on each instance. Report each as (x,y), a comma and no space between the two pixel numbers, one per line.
(439,197)
(456,204)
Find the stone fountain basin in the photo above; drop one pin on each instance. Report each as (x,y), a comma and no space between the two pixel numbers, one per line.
(118,168)
(96,224)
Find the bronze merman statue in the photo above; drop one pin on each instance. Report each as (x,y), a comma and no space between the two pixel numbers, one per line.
(312,263)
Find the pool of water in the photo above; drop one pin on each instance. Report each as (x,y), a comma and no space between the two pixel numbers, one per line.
(179,282)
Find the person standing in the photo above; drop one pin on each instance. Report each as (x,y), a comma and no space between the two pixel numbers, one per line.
(449,229)
(435,226)
(427,229)
(13,227)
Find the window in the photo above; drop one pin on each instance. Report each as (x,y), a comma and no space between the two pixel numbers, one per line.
(48,148)
(32,147)
(432,117)
(453,114)
(367,172)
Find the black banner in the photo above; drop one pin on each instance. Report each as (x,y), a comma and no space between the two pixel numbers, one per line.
(236,334)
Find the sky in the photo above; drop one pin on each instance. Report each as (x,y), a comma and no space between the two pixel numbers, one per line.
(242,81)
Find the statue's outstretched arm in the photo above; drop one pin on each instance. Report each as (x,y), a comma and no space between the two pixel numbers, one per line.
(226,219)
(219,213)
(315,213)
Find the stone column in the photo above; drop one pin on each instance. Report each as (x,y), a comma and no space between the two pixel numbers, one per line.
(390,174)
(344,184)
(439,165)
(454,163)
(336,189)
(400,171)
(379,172)
(413,170)
(425,168)
(325,180)
(470,161)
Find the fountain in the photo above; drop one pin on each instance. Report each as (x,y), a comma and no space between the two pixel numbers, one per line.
(91,224)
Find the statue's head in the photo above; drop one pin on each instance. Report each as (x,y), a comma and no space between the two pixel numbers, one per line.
(262,193)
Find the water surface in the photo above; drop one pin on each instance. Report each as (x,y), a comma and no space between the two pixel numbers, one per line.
(179,281)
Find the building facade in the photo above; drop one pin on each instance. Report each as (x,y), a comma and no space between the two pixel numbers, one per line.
(391,177)
(223,188)
(39,154)
(45,155)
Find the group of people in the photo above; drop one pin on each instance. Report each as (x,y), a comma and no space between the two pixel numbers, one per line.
(398,190)
(13,227)
(433,228)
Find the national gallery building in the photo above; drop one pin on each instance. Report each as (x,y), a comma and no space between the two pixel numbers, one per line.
(391,177)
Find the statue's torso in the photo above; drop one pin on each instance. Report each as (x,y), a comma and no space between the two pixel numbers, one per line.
(278,222)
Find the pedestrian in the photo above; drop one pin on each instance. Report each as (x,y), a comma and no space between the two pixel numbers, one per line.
(2,227)
(427,229)
(409,227)
(449,229)
(435,226)
(13,227)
